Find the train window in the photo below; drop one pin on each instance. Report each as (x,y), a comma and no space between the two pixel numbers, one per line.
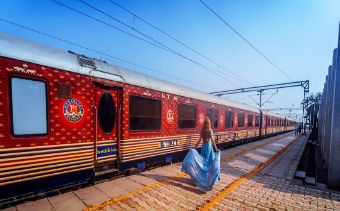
(213,116)
(268,122)
(186,116)
(106,112)
(257,121)
(145,113)
(29,107)
(250,120)
(229,119)
(240,120)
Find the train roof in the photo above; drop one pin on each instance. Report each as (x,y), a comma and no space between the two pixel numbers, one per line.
(17,48)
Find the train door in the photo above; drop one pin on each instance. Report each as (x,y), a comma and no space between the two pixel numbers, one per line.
(107,127)
(260,123)
(266,125)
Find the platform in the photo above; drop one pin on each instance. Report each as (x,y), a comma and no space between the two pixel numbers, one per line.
(254,176)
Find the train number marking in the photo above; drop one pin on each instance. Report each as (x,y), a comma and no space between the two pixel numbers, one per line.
(169,143)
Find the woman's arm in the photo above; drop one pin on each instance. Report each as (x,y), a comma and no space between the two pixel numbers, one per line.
(198,142)
(214,144)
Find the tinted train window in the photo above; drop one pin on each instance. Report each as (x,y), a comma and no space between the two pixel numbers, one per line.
(186,116)
(29,107)
(240,120)
(257,121)
(145,113)
(213,116)
(106,112)
(229,119)
(250,120)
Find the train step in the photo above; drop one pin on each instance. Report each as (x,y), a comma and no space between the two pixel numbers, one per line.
(106,172)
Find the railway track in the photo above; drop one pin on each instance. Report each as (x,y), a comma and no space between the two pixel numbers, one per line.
(178,190)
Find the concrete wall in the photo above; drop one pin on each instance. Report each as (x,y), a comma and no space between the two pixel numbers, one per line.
(329,120)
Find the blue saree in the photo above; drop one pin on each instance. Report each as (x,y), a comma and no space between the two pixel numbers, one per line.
(204,168)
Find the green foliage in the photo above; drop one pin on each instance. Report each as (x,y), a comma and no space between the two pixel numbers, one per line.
(314,101)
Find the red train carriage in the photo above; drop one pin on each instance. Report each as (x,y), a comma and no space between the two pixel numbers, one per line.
(65,118)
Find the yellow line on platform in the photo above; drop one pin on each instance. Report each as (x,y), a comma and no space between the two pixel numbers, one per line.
(160,183)
(243,179)
(254,147)
(142,189)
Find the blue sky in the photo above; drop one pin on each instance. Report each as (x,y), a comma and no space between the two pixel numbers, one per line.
(299,36)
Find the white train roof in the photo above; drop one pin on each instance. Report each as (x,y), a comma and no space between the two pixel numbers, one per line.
(13,47)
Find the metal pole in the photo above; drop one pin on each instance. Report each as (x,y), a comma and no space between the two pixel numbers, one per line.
(261,116)
(261,98)
(303,113)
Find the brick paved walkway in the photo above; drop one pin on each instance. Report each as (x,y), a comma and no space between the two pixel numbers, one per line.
(166,188)
(274,190)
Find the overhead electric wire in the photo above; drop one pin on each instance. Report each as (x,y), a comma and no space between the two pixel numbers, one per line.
(238,77)
(159,45)
(99,52)
(246,40)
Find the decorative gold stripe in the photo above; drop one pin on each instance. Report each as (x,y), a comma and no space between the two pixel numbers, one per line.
(106,144)
(44,147)
(150,154)
(138,148)
(42,170)
(131,143)
(47,175)
(153,149)
(106,159)
(46,159)
(2,179)
(46,163)
(107,141)
(8,160)
(161,137)
(89,160)
(42,151)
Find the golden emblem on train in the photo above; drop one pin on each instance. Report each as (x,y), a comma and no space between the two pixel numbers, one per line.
(73,110)
(170,116)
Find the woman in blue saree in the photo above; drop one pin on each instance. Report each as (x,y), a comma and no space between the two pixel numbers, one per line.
(204,168)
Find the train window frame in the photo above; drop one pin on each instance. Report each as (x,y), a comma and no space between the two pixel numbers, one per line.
(268,122)
(238,120)
(250,123)
(178,116)
(28,135)
(257,120)
(160,113)
(100,112)
(211,120)
(226,119)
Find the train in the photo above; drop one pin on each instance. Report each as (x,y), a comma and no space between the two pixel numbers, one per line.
(66,119)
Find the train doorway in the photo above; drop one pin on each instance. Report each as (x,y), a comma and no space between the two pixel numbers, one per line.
(107,127)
